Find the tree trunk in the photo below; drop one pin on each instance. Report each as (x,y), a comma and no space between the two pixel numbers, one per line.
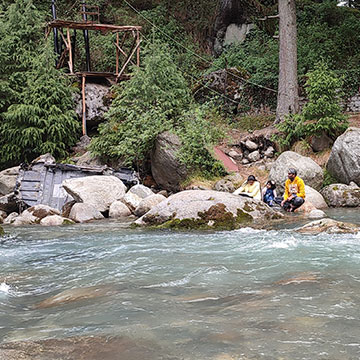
(288,96)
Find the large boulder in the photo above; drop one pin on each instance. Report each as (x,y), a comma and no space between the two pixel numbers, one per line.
(166,169)
(148,203)
(55,220)
(97,103)
(98,190)
(315,197)
(341,195)
(83,212)
(208,209)
(8,203)
(307,169)
(8,180)
(119,210)
(329,226)
(229,183)
(344,160)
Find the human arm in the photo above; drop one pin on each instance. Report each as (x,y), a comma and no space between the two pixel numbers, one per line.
(239,190)
(301,188)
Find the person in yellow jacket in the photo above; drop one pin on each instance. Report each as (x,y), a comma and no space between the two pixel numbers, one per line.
(294,195)
(250,188)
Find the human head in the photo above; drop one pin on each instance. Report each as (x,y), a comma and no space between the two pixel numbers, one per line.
(292,173)
(271,184)
(251,179)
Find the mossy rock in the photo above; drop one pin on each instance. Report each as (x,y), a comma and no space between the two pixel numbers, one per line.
(2,232)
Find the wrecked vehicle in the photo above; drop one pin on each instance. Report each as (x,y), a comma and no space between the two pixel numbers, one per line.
(41,181)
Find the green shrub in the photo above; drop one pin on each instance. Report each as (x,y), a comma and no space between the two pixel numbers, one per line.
(199,131)
(322,114)
(146,105)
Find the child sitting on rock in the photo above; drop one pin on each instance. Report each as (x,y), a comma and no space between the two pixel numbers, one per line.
(269,193)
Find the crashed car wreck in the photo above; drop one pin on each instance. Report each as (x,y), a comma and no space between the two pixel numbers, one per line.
(41,181)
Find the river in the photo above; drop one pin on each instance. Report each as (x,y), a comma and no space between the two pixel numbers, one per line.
(244,294)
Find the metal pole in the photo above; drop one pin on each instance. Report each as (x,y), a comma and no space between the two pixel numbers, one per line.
(56,37)
(86,39)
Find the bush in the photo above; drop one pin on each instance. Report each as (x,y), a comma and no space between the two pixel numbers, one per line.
(198,134)
(146,105)
(322,114)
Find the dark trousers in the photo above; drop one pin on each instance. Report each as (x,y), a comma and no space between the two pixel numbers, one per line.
(294,203)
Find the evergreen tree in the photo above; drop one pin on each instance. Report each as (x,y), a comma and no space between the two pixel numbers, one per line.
(146,105)
(20,34)
(44,121)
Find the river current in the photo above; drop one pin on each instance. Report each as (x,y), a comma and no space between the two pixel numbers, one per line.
(244,294)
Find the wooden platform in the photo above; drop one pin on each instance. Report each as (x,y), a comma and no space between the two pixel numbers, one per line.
(91,26)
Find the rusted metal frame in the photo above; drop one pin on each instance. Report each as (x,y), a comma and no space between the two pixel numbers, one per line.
(83,83)
(128,60)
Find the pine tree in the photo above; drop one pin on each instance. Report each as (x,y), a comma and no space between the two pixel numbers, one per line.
(44,121)
(20,34)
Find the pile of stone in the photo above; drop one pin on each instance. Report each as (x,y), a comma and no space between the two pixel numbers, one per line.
(253,150)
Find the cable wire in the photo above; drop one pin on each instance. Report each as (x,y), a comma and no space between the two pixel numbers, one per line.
(192,52)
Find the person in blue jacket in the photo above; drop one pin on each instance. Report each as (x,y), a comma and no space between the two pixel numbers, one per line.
(269,193)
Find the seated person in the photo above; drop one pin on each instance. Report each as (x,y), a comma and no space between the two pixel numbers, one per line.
(250,188)
(269,193)
(294,195)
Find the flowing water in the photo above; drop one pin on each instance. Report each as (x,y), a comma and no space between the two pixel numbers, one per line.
(245,294)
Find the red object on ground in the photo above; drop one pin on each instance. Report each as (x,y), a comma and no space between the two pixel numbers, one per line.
(228,163)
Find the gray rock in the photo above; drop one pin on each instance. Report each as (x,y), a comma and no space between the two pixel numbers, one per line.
(245,161)
(119,210)
(34,214)
(99,190)
(96,104)
(209,208)
(251,145)
(315,197)
(236,34)
(254,156)
(329,226)
(141,191)
(10,218)
(8,203)
(25,218)
(341,195)
(316,214)
(166,169)
(131,200)
(269,152)
(148,203)
(320,143)
(8,180)
(40,211)
(55,220)
(229,183)
(46,159)
(88,160)
(82,212)
(307,169)
(235,155)
(344,160)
